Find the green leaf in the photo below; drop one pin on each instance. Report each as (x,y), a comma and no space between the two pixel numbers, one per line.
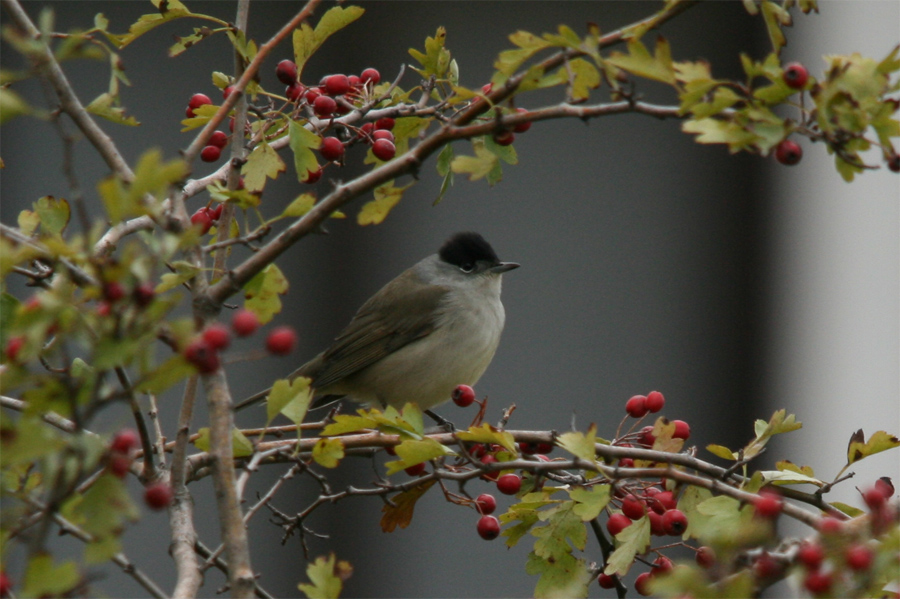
(638,61)
(54,214)
(436,58)
(242,198)
(878,442)
(564,577)
(581,445)
(776,17)
(240,444)
(721,451)
(262,291)
(44,579)
(28,440)
(102,550)
(509,61)
(714,519)
(184,271)
(585,77)
(349,423)
(478,166)
(173,9)
(263,162)
(851,511)
(505,153)
(302,142)
(172,371)
(328,452)
(780,422)
(488,434)
(104,509)
(416,451)
(632,540)
(443,168)
(105,106)
(12,105)
(291,398)
(386,197)
(590,502)
(401,512)
(563,527)
(307,40)
(787,477)
(327,576)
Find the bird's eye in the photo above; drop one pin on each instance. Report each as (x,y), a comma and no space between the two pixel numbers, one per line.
(467,266)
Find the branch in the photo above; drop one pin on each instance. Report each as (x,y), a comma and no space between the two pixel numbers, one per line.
(79,276)
(181,514)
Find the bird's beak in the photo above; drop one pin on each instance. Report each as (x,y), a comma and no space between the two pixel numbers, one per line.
(503,267)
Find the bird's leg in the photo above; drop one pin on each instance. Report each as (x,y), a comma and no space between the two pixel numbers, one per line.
(442,422)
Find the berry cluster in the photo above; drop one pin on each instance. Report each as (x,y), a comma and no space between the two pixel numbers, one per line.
(203,350)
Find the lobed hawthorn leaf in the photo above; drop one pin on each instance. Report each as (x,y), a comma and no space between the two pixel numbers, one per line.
(526,512)
(563,527)
(169,373)
(43,578)
(880,441)
(174,9)
(327,576)
(585,77)
(477,166)
(416,451)
(638,61)
(241,198)
(590,502)
(401,512)
(104,106)
(581,445)
(488,434)
(53,214)
(775,18)
(246,48)
(328,452)
(291,398)
(200,118)
(262,291)
(632,540)
(307,40)
(561,578)
(509,61)
(241,445)
(375,211)
(436,58)
(183,43)
(302,143)
(349,423)
(262,162)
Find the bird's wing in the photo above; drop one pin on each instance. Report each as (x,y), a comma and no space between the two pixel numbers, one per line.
(384,324)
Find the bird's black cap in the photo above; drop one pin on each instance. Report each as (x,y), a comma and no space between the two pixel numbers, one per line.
(465,249)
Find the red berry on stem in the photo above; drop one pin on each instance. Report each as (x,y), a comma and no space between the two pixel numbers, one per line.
(244,323)
(795,75)
(218,139)
(158,496)
(196,101)
(830,526)
(337,85)
(633,507)
(485,504)
(365,132)
(626,463)
(216,213)
(662,565)
(217,336)
(874,498)
(811,555)
(286,71)
(674,522)
(768,505)
(642,583)
(489,459)
(119,465)
(859,557)
(765,566)
(311,94)
(202,355)
(636,406)
(385,122)
(210,154)
(229,89)
(682,430)
(331,148)
(294,91)
(544,448)
(886,486)
(463,396)
(788,152)
(705,557)
(143,294)
(509,484)
(818,582)
(416,469)
(125,440)
(617,523)
(504,138)
(656,524)
(113,291)
(522,127)
(202,219)
(383,134)
(606,581)
(281,341)
(655,401)
(647,438)
(324,106)
(488,528)
(666,499)
(370,75)
(384,149)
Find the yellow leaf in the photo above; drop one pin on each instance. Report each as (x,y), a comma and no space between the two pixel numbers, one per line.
(328,452)
(401,512)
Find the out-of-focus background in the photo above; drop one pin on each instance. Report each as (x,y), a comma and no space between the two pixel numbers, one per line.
(734,285)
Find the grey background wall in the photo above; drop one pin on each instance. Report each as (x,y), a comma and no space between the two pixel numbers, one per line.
(732,284)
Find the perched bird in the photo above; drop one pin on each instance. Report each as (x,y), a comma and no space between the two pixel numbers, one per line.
(435,326)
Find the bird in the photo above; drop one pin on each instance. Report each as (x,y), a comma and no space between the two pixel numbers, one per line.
(435,326)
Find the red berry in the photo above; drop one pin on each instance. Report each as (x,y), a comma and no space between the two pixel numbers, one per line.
(818,583)
(385,122)
(365,132)
(200,354)
(642,583)
(626,463)
(370,74)
(294,91)
(104,309)
(113,291)
(355,81)
(119,465)
(143,294)
(682,430)
(281,341)
(331,148)
(158,496)
(509,484)
(125,440)
(544,448)
(217,336)
(674,522)
(874,498)
(384,149)
(202,218)
(196,101)
(765,566)
(244,323)
(486,88)
(633,507)
(665,500)
(218,139)
(795,75)
(313,176)
(337,85)
(488,528)
(788,152)
(416,469)
(324,106)
(617,523)
(463,396)
(227,92)
(705,557)
(893,163)
(830,526)
(210,154)
(636,406)
(768,505)
(383,134)
(811,555)
(504,138)
(647,438)
(859,557)
(663,565)
(522,127)
(286,71)
(606,581)
(489,459)
(656,524)
(485,504)
(655,401)
(216,213)
(311,94)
